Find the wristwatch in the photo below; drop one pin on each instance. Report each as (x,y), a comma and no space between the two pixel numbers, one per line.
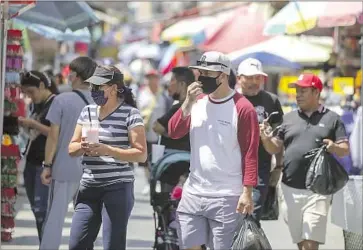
(46,165)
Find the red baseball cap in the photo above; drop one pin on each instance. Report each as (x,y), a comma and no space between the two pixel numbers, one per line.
(309,80)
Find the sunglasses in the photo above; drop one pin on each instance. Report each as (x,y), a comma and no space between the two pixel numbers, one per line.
(205,63)
(94,87)
(29,75)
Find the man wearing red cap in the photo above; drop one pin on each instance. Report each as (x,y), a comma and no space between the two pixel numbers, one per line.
(302,130)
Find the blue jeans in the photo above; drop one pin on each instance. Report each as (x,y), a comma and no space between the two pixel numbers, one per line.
(110,205)
(259,194)
(37,194)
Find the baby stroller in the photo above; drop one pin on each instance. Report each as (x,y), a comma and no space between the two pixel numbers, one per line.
(166,173)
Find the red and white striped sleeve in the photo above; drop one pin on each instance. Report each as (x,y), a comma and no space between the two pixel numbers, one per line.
(248,134)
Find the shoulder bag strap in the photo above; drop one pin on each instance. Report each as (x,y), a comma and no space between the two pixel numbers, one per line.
(80,94)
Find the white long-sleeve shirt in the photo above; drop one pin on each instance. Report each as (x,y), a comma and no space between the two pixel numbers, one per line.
(356,141)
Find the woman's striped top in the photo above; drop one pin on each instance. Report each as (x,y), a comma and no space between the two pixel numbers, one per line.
(113,130)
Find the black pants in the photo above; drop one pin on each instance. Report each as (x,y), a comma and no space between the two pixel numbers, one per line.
(110,205)
(259,194)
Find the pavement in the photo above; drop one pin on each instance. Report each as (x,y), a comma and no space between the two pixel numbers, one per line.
(141,227)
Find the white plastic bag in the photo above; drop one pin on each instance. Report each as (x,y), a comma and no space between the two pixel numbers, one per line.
(347,207)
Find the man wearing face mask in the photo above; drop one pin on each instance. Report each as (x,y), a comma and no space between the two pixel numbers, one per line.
(224,137)
(181,78)
(61,171)
(251,79)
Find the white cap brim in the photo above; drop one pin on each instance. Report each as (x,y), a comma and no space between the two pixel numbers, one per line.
(252,73)
(97,80)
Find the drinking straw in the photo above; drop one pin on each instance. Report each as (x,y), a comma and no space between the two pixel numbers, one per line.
(159,140)
(89,116)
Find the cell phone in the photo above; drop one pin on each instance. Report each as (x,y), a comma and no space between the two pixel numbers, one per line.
(272,115)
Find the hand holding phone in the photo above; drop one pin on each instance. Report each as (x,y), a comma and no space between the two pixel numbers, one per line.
(268,119)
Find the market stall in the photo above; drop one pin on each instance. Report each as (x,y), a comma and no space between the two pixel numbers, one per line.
(72,15)
(11,106)
(301,16)
(5,17)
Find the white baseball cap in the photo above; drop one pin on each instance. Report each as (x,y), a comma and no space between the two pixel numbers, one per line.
(214,61)
(250,67)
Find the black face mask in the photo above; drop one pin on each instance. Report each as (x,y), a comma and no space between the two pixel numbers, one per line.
(209,84)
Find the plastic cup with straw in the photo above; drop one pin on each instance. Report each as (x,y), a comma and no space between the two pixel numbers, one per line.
(90,130)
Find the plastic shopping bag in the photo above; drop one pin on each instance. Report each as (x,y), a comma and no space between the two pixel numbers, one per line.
(249,236)
(270,210)
(325,174)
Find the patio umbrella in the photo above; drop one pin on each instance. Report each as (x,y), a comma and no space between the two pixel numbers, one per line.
(241,29)
(186,28)
(82,35)
(298,17)
(269,61)
(301,49)
(58,14)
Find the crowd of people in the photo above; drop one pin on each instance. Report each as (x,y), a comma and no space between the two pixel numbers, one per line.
(83,145)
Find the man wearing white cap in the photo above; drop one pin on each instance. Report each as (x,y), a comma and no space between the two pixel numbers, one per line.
(224,137)
(251,79)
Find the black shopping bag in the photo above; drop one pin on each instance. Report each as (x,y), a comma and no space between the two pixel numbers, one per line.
(325,175)
(270,210)
(249,236)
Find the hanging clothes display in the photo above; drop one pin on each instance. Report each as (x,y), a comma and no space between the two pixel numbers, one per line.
(10,153)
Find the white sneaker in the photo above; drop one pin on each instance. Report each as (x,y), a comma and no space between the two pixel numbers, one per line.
(146,190)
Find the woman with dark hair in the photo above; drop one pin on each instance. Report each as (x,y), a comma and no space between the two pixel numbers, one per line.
(41,91)
(109,134)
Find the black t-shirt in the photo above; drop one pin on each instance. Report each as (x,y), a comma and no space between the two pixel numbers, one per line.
(179,144)
(265,103)
(301,134)
(36,152)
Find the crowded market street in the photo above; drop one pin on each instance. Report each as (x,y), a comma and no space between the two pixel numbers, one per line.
(141,227)
(187,125)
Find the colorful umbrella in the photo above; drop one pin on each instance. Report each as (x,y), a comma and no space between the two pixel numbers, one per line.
(298,17)
(186,28)
(242,29)
(269,60)
(301,49)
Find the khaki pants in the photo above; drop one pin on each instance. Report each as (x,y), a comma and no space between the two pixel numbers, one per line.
(305,213)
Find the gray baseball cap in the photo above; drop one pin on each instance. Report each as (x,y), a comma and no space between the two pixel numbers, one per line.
(103,75)
(214,61)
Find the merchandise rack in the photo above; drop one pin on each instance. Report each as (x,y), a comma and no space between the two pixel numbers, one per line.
(10,153)
(10,66)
